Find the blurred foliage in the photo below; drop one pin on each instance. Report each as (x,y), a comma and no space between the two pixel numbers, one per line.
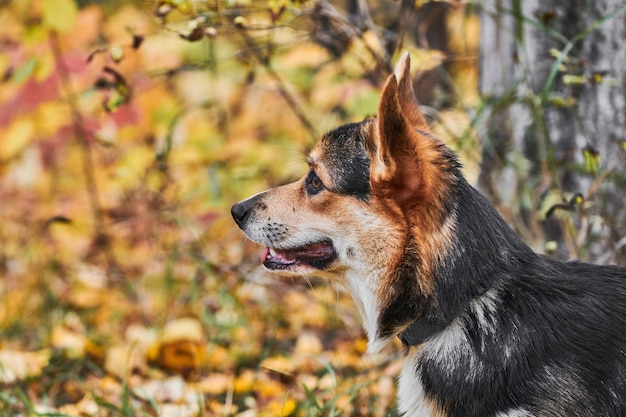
(127,129)
(553,168)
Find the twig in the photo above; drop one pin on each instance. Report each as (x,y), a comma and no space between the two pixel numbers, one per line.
(264,60)
(87,161)
(598,182)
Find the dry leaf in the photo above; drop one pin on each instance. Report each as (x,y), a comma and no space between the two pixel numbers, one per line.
(308,344)
(16,365)
(279,364)
(72,341)
(181,346)
(279,408)
(123,359)
(215,384)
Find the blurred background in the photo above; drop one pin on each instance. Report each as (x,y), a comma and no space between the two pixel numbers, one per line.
(129,128)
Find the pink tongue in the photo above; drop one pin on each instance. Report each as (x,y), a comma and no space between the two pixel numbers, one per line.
(266,253)
(311,251)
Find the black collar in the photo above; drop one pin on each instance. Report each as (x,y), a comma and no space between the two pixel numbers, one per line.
(422,329)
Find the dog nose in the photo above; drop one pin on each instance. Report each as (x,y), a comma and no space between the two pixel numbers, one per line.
(240,213)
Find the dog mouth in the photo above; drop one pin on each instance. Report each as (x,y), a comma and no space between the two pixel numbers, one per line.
(316,255)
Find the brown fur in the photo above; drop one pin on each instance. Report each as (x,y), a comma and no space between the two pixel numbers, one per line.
(402,230)
(489,327)
(407,174)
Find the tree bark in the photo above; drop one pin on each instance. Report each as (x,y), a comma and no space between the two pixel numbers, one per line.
(542,130)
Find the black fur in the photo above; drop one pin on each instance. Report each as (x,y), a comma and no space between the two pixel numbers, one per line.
(406,302)
(557,339)
(346,158)
(532,336)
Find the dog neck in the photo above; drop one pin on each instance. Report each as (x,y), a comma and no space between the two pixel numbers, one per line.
(422,329)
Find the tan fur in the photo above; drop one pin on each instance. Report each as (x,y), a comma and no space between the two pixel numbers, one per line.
(388,244)
(435,410)
(384,210)
(405,211)
(406,172)
(408,101)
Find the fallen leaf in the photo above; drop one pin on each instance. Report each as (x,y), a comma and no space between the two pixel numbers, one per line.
(280,364)
(279,408)
(308,344)
(123,359)
(169,390)
(16,365)
(69,340)
(244,382)
(215,384)
(181,345)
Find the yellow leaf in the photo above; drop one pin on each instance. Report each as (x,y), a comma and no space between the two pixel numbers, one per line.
(133,165)
(279,408)
(244,382)
(592,159)
(5,63)
(122,359)
(551,246)
(425,59)
(69,340)
(45,66)
(183,329)
(360,345)
(181,348)
(16,138)
(52,116)
(569,79)
(269,388)
(279,364)
(59,15)
(218,357)
(181,356)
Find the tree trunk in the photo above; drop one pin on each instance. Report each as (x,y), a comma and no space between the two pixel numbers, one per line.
(553,74)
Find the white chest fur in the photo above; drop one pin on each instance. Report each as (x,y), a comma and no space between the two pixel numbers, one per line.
(412,401)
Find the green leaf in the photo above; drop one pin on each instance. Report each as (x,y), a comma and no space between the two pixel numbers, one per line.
(562,55)
(311,397)
(592,160)
(551,246)
(24,71)
(569,79)
(59,15)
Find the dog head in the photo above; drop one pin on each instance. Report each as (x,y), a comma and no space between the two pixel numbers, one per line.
(375,211)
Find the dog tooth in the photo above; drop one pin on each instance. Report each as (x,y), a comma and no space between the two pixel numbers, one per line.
(272,252)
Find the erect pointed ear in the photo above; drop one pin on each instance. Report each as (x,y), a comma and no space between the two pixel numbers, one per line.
(401,167)
(406,94)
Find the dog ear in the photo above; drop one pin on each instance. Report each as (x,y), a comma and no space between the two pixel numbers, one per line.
(406,94)
(404,145)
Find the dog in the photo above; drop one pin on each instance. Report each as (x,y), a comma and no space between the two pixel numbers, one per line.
(489,327)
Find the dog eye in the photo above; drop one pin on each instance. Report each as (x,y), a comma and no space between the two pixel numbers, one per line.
(313,184)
